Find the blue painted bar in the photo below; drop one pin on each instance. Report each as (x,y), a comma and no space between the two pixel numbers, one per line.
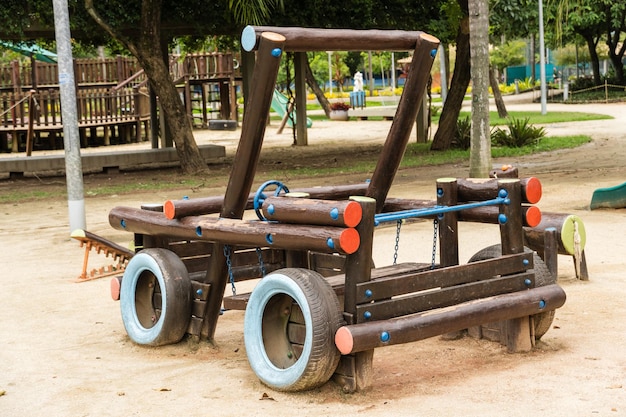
(435,210)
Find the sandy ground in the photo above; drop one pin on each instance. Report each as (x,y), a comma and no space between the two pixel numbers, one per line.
(64,351)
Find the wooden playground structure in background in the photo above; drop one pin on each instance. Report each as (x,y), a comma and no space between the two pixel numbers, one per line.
(114,104)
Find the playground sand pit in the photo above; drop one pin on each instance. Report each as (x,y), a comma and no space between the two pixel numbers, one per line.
(64,351)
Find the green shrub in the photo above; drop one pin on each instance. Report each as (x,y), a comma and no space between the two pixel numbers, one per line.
(463,134)
(519,133)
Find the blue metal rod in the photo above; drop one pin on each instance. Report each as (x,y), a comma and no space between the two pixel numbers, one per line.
(435,210)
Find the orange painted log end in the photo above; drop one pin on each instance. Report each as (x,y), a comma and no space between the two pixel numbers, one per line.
(533,190)
(344,340)
(352,214)
(349,241)
(169,209)
(116,284)
(533,216)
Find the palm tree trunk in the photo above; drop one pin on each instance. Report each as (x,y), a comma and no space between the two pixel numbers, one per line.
(480,150)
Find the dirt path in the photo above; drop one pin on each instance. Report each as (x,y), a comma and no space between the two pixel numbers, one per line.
(64,350)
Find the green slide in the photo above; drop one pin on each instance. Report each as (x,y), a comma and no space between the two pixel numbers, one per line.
(610,197)
(279,105)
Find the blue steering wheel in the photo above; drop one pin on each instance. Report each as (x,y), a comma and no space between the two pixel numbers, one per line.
(259,196)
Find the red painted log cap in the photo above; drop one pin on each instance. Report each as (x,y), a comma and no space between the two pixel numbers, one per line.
(169,209)
(533,190)
(116,284)
(344,340)
(533,216)
(349,241)
(352,214)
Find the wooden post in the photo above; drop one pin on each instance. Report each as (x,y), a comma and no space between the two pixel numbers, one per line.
(301,119)
(518,334)
(355,370)
(402,124)
(154,121)
(253,127)
(421,123)
(448,224)
(550,252)
(244,166)
(32,114)
(511,232)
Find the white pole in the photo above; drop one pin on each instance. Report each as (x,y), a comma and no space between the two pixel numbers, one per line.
(71,141)
(443,73)
(330,74)
(542,61)
(393,74)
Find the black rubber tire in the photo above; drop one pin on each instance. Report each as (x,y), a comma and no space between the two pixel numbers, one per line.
(543,321)
(155,298)
(289,330)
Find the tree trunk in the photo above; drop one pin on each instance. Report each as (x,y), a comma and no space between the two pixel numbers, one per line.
(497,95)
(179,125)
(593,55)
(147,50)
(319,94)
(616,57)
(480,149)
(458,86)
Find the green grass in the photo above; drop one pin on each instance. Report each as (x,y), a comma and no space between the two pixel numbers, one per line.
(536,118)
(419,154)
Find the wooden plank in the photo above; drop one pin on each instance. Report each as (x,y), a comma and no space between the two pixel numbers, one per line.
(240,301)
(390,285)
(445,297)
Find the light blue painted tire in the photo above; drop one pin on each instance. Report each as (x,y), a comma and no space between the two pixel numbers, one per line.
(150,319)
(280,301)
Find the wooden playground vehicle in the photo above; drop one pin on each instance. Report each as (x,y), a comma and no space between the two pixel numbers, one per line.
(321,307)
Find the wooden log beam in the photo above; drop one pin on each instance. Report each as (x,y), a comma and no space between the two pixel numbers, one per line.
(237,232)
(253,127)
(312,211)
(402,125)
(570,233)
(477,189)
(366,336)
(299,39)
(176,209)
(531,215)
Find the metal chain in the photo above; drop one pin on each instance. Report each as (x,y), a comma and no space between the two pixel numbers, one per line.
(435,230)
(259,254)
(229,264)
(395,252)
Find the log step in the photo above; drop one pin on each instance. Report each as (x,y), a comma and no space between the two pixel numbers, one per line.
(411,328)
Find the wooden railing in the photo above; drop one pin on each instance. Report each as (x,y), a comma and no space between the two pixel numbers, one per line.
(95,106)
(114,71)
